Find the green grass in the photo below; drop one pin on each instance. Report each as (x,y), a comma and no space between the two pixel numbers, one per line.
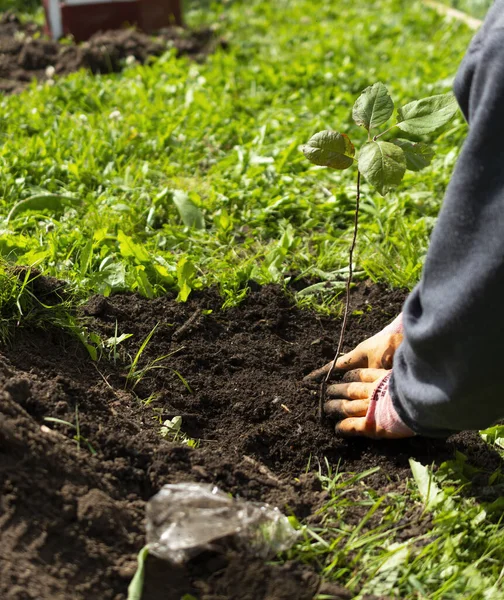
(426,539)
(224,136)
(21,304)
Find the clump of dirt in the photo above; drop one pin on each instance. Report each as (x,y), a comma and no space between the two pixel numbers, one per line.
(72,511)
(26,52)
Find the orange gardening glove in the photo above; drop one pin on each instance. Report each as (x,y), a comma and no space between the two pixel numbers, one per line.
(376,352)
(362,403)
(363,406)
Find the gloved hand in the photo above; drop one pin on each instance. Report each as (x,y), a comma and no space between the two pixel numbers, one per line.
(361,402)
(364,406)
(376,352)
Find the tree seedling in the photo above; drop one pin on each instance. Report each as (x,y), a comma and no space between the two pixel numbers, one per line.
(382,163)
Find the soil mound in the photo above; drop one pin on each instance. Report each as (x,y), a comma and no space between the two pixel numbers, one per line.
(72,501)
(26,52)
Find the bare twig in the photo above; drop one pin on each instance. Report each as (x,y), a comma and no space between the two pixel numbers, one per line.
(323,385)
(182,331)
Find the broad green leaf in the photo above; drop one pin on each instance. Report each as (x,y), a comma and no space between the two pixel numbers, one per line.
(144,285)
(116,340)
(383,165)
(135,588)
(330,149)
(190,214)
(185,275)
(113,276)
(130,249)
(373,107)
(418,155)
(327,287)
(52,202)
(427,115)
(494,435)
(431,494)
(86,257)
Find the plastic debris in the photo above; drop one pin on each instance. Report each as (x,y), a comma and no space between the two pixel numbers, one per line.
(184,519)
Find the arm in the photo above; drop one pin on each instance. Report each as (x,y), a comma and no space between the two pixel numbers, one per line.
(448,374)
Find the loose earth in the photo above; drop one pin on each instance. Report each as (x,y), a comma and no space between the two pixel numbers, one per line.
(72,515)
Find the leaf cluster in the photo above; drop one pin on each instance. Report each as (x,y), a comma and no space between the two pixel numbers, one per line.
(384,163)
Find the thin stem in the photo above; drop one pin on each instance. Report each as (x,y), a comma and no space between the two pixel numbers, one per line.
(383,132)
(323,386)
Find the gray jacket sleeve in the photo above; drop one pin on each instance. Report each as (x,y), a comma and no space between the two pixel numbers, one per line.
(449,372)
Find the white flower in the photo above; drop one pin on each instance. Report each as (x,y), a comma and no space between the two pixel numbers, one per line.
(130,60)
(50,72)
(34,111)
(82,118)
(115,115)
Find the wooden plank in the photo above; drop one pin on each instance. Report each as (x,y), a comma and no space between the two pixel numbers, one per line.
(453,13)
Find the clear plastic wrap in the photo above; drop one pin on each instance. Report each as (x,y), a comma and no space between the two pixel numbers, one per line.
(184,519)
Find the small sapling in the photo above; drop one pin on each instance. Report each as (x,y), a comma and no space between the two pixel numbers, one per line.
(382,163)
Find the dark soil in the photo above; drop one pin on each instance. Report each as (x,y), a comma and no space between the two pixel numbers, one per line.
(26,52)
(71,523)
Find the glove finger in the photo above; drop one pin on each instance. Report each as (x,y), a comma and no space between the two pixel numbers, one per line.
(353,427)
(341,409)
(352,391)
(318,374)
(352,360)
(364,375)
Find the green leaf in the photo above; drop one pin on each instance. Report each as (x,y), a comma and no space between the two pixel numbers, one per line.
(494,435)
(190,214)
(60,421)
(383,165)
(112,276)
(130,249)
(144,285)
(427,115)
(52,202)
(330,149)
(86,257)
(116,340)
(431,494)
(418,156)
(324,287)
(373,107)
(135,588)
(185,275)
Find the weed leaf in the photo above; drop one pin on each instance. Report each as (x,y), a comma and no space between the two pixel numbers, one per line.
(418,156)
(185,275)
(427,115)
(52,202)
(431,494)
(144,286)
(130,249)
(373,107)
(330,149)
(86,257)
(135,587)
(190,214)
(383,165)
(494,435)
(328,287)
